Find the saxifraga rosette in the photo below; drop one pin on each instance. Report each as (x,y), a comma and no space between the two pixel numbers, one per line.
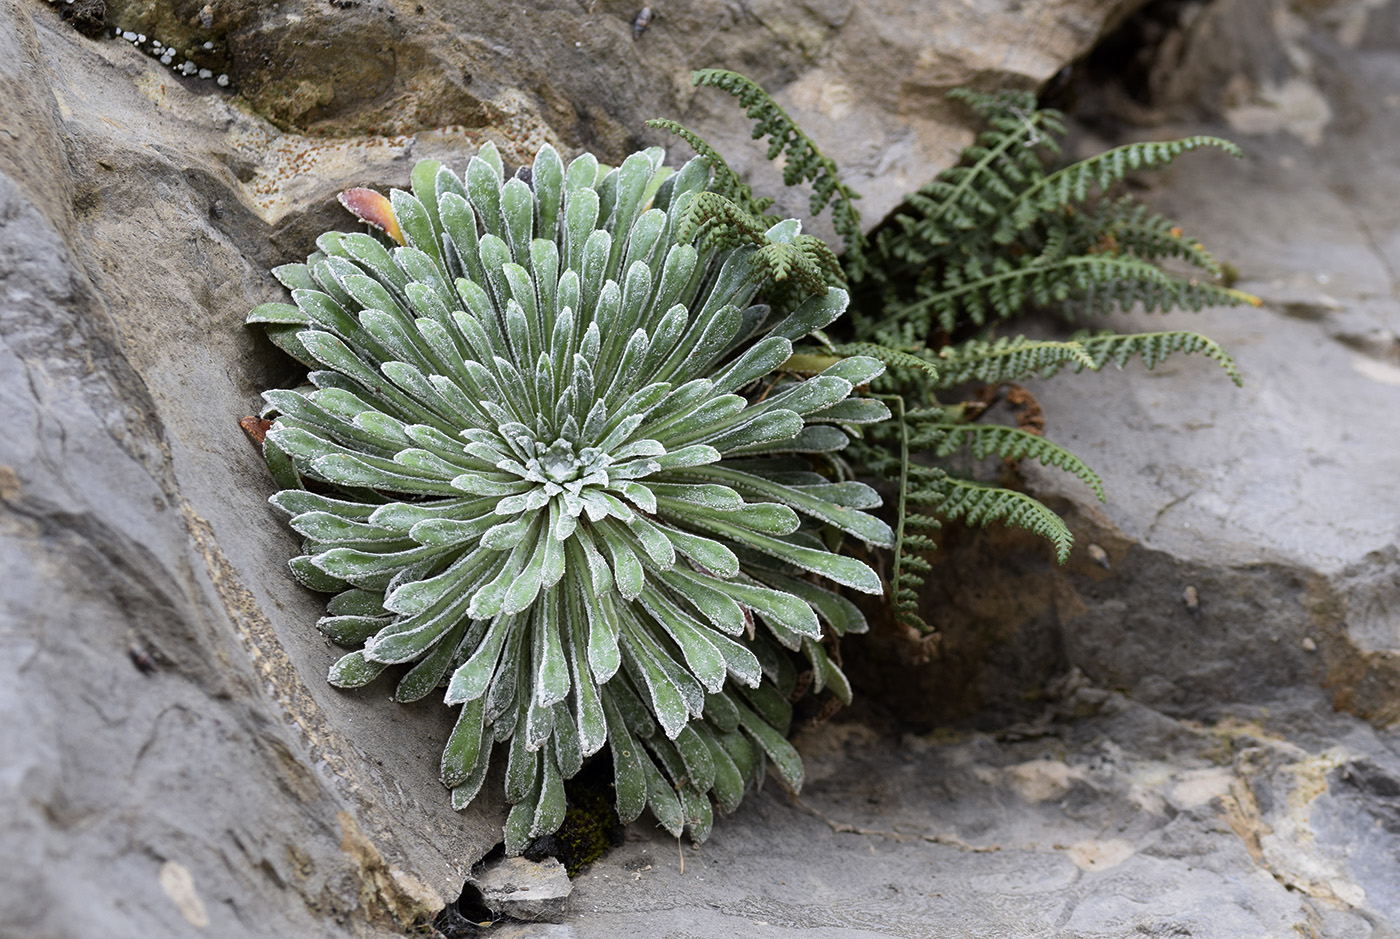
(546,458)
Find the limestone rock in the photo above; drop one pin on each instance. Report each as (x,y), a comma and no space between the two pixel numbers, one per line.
(535,891)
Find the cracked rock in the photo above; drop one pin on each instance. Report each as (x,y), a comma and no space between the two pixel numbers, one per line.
(537,891)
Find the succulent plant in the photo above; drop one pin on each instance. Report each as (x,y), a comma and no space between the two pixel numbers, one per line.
(547,459)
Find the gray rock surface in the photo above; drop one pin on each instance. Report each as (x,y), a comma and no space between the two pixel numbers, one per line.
(537,891)
(174,761)
(1126,765)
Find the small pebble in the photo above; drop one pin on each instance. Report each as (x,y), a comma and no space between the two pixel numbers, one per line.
(129,36)
(222,81)
(1308,644)
(209,45)
(205,73)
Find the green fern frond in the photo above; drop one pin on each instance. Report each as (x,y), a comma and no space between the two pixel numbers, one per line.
(1008,359)
(1076,183)
(1002,162)
(893,358)
(724,180)
(1008,443)
(977,289)
(803,161)
(1106,347)
(1127,225)
(978,504)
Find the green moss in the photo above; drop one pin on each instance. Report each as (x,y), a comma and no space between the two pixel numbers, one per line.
(591,824)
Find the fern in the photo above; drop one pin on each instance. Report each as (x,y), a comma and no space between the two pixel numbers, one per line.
(1107,347)
(1004,232)
(978,504)
(803,161)
(725,181)
(1008,443)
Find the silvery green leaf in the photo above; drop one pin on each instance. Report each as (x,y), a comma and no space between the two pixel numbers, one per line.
(565,742)
(525,586)
(817,438)
(549,810)
(403,516)
(729,781)
(715,414)
(551,669)
(628,699)
(645,243)
(695,755)
(348,470)
(628,574)
(701,344)
(297,501)
(539,724)
(686,457)
(629,777)
(330,529)
(748,759)
(356,602)
(843,570)
(827,674)
(720,712)
(588,707)
(367,570)
(816,312)
(604,656)
(350,630)
(781,607)
(852,495)
(580,221)
(284,313)
(417,225)
(770,427)
(814,394)
(653,541)
(484,189)
(466,745)
(581,174)
(705,495)
(472,678)
(427,675)
(661,798)
(518,217)
(703,659)
(855,411)
(866,527)
(548,176)
(639,495)
(522,768)
(519,822)
(667,702)
(464,575)
(490,600)
(294,276)
(375,258)
(714,604)
(470,788)
(601,297)
(784,757)
(840,614)
(407,645)
(742,665)
(858,369)
(353,671)
(313,578)
(422,267)
(285,338)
